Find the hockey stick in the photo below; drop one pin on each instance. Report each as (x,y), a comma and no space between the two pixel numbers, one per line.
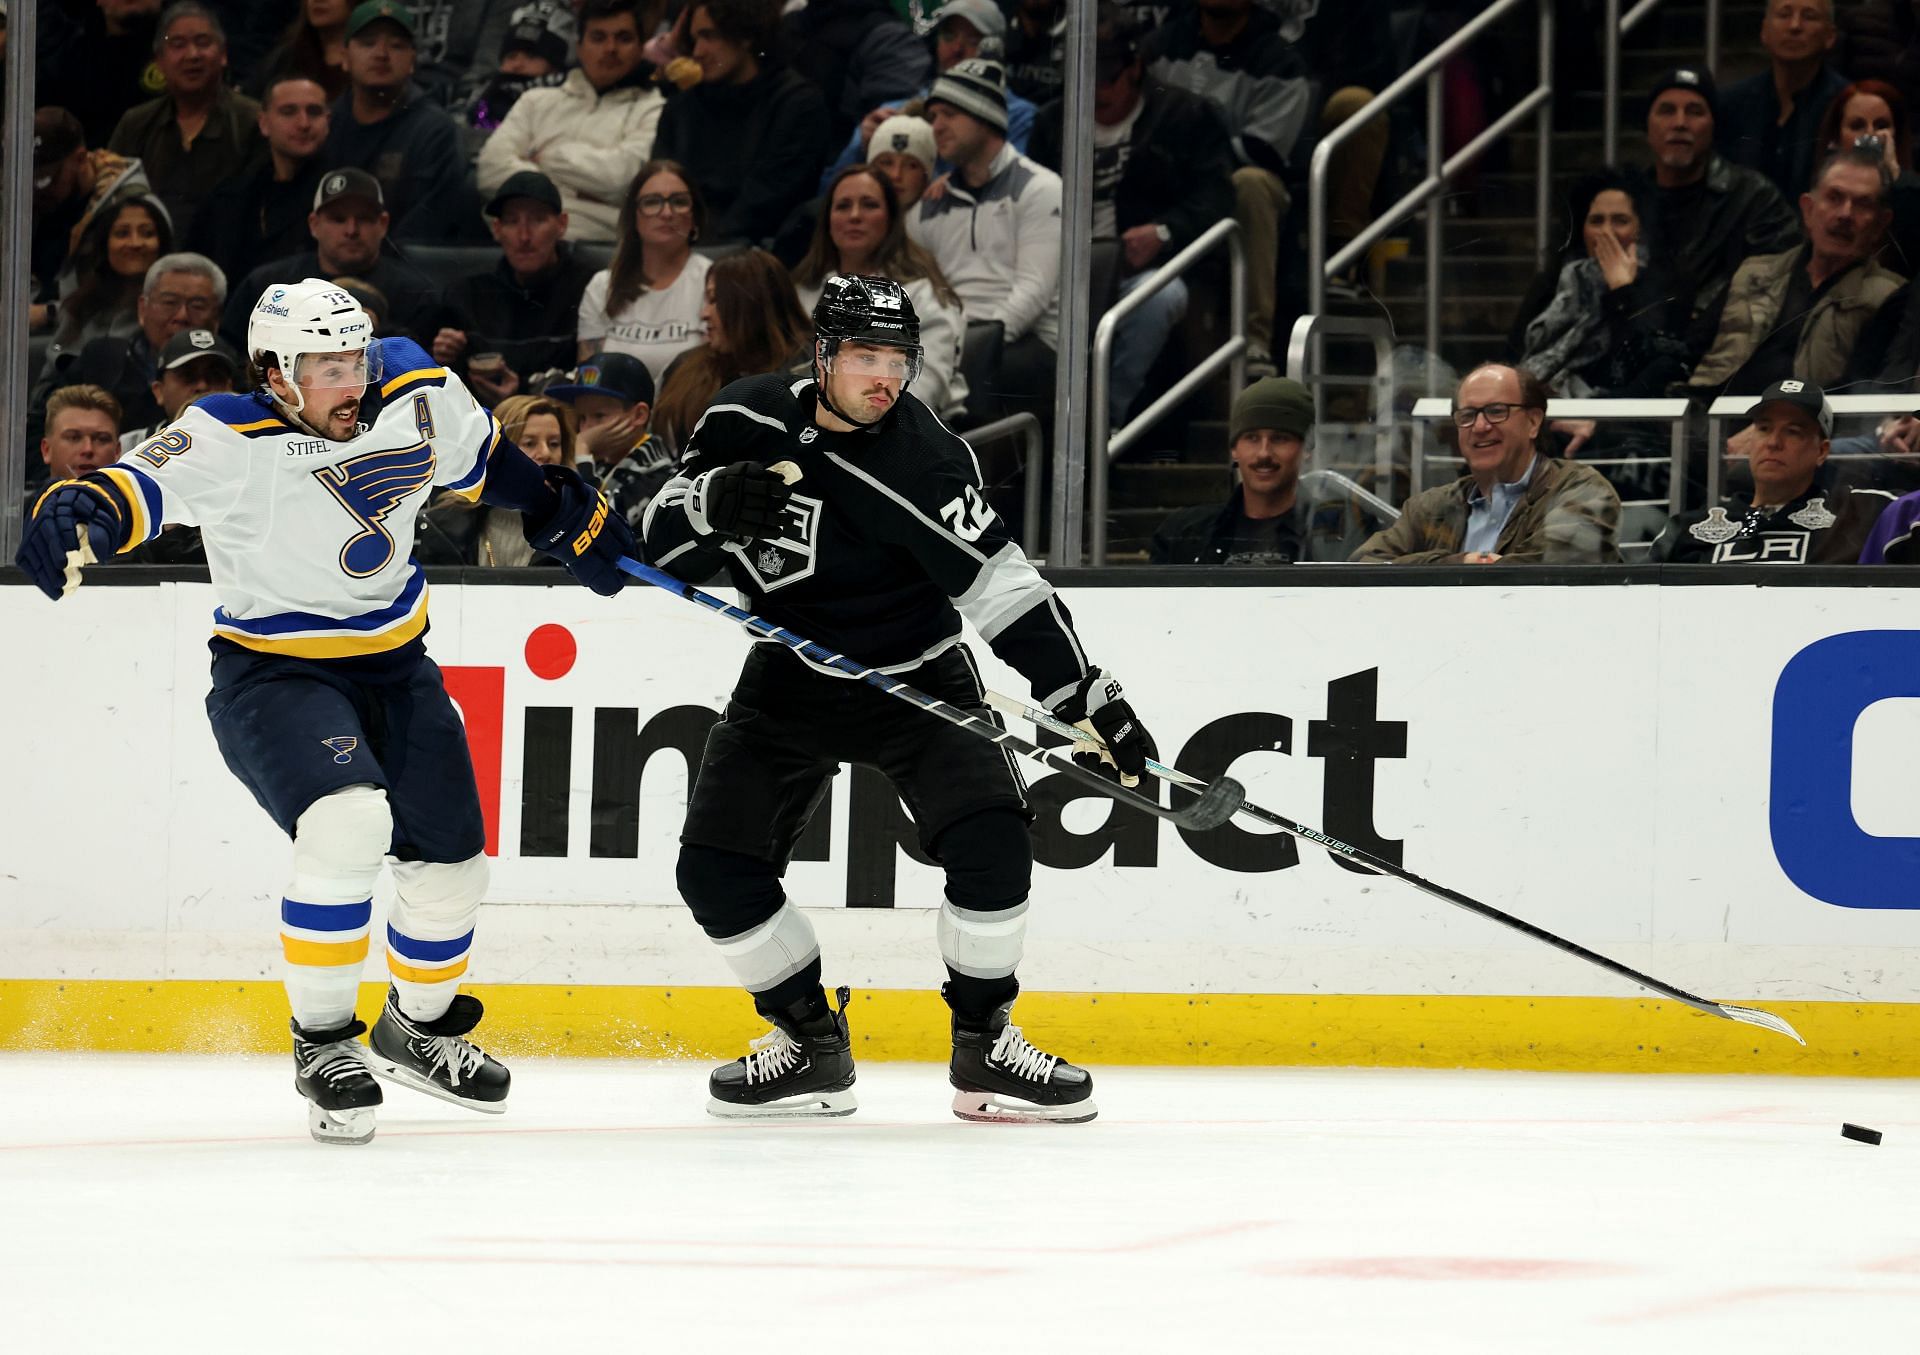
(1749,1015)
(1212,805)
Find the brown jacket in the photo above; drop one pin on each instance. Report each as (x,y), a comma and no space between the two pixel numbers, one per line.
(1827,336)
(1569,516)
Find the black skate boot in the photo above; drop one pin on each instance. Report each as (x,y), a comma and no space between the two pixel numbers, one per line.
(999,1076)
(801,1068)
(431,1056)
(330,1070)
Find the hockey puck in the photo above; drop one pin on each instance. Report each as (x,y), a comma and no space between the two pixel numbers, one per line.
(1860,1132)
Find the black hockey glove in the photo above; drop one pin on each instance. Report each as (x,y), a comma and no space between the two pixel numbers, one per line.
(582,532)
(1099,706)
(745,500)
(73,525)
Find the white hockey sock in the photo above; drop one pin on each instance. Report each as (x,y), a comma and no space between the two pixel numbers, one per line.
(430,931)
(982,944)
(338,846)
(772,952)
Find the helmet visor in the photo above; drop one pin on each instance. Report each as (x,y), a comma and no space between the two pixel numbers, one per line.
(851,357)
(355,369)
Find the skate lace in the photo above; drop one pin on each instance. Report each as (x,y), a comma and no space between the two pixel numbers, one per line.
(1012,1052)
(459,1058)
(773,1054)
(335,1064)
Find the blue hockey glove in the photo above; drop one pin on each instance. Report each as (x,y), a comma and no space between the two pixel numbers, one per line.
(73,525)
(583,532)
(1099,706)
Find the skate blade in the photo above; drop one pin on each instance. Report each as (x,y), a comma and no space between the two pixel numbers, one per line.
(406,1077)
(987,1108)
(805,1106)
(344,1127)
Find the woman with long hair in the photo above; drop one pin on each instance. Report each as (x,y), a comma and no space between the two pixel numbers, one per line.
(754,325)
(863,231)
(1875,108)
(120,243)
(468,532)
(648,301)
(314,44)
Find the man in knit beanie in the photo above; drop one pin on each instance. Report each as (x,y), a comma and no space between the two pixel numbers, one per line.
(1269,519)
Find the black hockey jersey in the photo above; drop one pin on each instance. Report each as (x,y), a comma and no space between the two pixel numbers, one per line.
(1824,526)
(886,535)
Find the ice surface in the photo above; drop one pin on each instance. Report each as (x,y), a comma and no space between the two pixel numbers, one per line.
(177,1204)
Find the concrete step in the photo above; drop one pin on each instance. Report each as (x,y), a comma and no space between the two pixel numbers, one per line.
(1458,315)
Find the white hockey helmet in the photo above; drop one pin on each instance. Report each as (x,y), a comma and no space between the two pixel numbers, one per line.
(313,316)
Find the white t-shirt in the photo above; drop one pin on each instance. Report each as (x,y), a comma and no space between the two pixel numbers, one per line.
(1111,151)
(656,327)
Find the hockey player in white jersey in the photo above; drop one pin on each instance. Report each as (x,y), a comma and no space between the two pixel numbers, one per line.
(324,702)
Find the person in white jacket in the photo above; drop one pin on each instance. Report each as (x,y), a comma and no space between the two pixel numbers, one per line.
(591,134)
(862,233)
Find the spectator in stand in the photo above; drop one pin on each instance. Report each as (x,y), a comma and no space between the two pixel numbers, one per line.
(1269,519)
(1162,174)
(69,184)
(199,132)
(903,151)
(1876,109)
(83,434)
(110,265)
(535,53)
(314,45)
(349,228)
(464,531)
(860,53)
(1712,214)
(261,215)
(863,233)
(754,325)
(1796,515)
(180,290)
(1799,312)
(1517,504)
(648,302)
(752,134)
(520,314)
(1231,53)
(962,30)
(995,232)
(592,133)
(385,124)
(612,396)
(1035,50)
(96,60)
(193,363)
(1771,121)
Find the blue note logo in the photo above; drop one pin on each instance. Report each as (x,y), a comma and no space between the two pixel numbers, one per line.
(341,747)
(1821,694)
(370,487)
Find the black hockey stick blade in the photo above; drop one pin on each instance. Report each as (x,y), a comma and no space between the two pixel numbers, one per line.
(1211,806)
(1751,1016)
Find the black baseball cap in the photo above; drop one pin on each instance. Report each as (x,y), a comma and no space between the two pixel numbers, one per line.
(336,184)
(1698,79)
(620,375)
(1802,394)
(190,345)
(527,183)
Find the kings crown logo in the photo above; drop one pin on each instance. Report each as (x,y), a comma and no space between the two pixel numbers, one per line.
(772,563)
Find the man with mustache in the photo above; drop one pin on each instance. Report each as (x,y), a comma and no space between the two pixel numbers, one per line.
(1799,312)
(1710,214)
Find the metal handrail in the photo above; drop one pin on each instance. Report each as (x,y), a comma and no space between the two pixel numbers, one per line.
(1440,168)
(1616,26)
(1230,354)
(1600,410)
(1739,406)
(1027,428)
(1305,356)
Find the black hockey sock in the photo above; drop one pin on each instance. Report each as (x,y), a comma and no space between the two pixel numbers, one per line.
(795,1001)
(974,1001)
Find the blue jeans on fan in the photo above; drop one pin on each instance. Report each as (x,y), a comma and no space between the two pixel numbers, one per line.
(1138,340)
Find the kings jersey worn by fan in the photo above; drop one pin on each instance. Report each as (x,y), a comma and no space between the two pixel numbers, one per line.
(309,540)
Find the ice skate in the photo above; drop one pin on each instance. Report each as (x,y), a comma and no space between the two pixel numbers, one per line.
(330,1070)
(798,1070)
(998,1076)
(433,1057)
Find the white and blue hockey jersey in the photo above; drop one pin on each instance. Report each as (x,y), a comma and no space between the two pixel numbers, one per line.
(309,540)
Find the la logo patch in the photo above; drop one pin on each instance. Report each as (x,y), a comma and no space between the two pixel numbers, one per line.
(789,556)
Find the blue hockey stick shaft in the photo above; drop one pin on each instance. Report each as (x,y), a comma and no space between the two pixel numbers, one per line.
(1211,806)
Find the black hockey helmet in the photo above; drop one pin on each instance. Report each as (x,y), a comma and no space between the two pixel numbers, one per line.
(876,310)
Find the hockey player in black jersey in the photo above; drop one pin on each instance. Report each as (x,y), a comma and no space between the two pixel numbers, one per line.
(843,508)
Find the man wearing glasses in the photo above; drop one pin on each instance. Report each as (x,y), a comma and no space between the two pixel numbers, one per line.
(199,132)
(1516,504)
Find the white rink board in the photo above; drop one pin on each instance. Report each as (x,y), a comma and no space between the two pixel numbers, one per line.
(1597,760)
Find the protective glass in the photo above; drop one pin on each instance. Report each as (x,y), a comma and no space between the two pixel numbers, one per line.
(353,370)
(894,364)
